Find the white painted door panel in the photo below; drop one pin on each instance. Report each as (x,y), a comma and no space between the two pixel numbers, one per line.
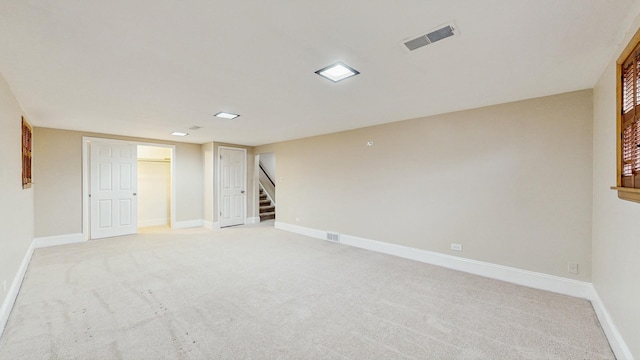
(113,179)
(232,186)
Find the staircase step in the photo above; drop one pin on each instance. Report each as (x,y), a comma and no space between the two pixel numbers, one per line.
(267,209)
(267,216)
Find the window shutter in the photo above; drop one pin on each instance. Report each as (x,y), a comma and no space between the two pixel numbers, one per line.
(636,153)
(630,120)
(628,84)
(27,144)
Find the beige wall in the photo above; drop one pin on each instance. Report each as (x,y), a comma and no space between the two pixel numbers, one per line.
(16,204)
(209,181)
(58,173)
(57,169)
(616,234)
(189,182)
(511,183)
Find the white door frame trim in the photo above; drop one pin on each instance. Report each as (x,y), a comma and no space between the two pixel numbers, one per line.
(218,181)
(256,186)
(85,177)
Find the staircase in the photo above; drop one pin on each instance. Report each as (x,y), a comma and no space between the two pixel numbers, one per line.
(267,208)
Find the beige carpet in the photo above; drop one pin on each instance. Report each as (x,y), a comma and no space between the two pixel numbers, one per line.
(254,292)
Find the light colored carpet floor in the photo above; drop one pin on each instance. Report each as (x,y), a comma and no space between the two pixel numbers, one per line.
(254,292)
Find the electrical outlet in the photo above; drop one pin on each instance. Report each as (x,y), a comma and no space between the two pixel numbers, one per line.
(572,268)
(456,247)
(297,219)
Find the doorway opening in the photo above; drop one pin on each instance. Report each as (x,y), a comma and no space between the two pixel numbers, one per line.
(266,175)
(126,185)
(154,186)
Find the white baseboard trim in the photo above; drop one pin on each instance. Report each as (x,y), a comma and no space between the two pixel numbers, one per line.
(12,294)
(252,220)
(318,234)
(47,241)
(528,278)
(153,222)
(575,288)
(618,345)
(188,224)
(211,225)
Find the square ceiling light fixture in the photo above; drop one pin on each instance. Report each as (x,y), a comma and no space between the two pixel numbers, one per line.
(337,72)
(178,133)
(226,115)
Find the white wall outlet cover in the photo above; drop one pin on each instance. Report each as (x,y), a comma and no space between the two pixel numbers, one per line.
(572,268)
(456,247)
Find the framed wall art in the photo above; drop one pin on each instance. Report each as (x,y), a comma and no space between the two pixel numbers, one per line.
(27,145)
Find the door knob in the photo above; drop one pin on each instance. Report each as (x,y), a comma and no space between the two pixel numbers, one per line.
(241,191)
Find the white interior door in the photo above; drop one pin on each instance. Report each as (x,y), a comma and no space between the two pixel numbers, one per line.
(113,180)
(233,167)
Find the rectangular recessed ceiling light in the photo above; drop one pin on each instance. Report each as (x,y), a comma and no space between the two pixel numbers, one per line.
(178,133)
(226,115)
(337,72)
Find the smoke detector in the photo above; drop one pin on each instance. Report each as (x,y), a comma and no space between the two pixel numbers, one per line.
(434,35)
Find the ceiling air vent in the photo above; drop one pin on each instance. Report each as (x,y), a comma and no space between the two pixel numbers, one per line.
(437,34)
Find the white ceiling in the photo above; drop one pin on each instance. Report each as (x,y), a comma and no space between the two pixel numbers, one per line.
(149,67)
